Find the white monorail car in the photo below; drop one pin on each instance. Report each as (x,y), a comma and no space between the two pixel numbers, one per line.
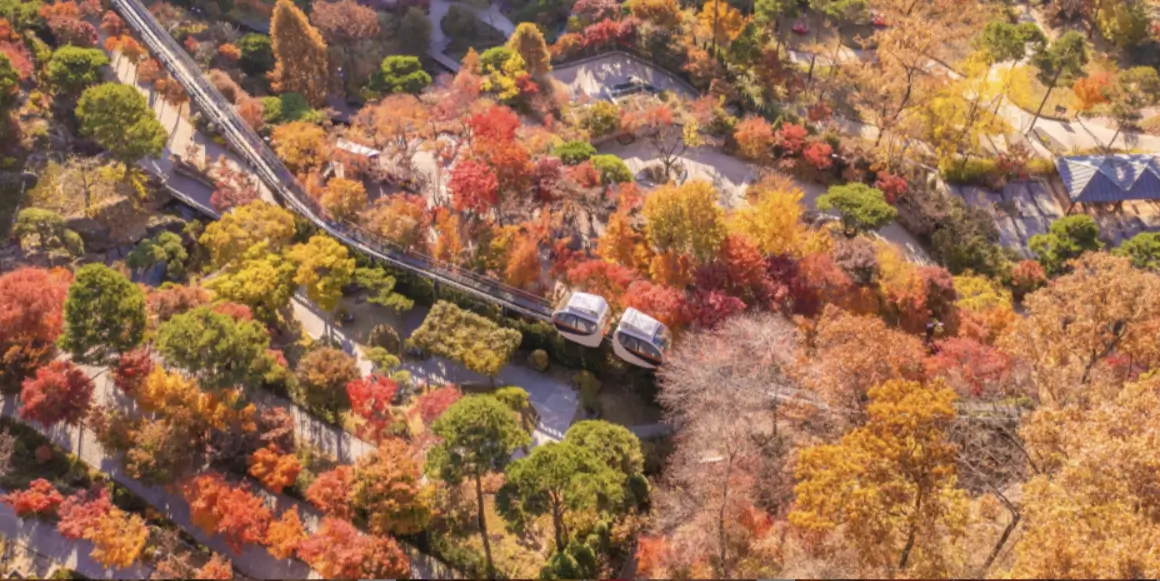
(583,318)
(641,339)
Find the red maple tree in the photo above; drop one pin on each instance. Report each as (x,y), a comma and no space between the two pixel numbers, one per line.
(330,492)
(82,511)
(432,404)
(60,392)
(31,314)
(663,303)
(370,399)
(39,500)
(474,187)
(131,369)
(337,551)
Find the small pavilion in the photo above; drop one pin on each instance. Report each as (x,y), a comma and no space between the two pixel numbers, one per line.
(1109,179)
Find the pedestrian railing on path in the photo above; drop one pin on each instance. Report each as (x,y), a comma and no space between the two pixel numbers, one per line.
(247,143)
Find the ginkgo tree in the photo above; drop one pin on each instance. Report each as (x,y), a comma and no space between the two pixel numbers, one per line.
(960,115)
(890,484)
(686,219)
(324,268)
(239,230)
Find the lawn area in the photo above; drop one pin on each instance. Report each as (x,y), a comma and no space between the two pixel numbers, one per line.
(1151,125)
(1026,92)
(517,554)
(624,407)
(53,464)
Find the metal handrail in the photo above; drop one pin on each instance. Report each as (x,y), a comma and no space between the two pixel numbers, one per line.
(247,143)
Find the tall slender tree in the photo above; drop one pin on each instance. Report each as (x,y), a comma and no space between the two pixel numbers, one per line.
(479,435)
(1059,63)
(301,65)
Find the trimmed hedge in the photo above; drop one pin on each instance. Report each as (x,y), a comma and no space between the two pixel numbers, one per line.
(574,152)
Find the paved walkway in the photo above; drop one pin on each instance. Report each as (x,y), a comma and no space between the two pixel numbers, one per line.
(591,77)
(439,41)
(555,401)
(183,141)
(254,561)
(43,539)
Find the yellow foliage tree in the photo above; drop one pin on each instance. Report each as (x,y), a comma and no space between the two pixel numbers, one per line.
(284,535)
(663,13)
(985,307)
(720,21)
(960,114)
(261,279)
(449,245)
(166,392)
(118,539)
(773,221)
(686,219)
(301,145)
(502,81)
(181,401)
(229,238)
(301,64)
(890,484)
(671,269)
(344,199)
(623,244)
(523,266)
(528,42)
(324,268)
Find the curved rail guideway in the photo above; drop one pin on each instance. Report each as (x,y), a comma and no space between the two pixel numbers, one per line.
(280,180)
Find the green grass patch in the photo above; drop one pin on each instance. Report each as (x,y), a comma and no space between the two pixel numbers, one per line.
(1026,92)
(1151,125)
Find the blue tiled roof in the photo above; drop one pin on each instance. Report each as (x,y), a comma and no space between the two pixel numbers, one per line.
(1110,178)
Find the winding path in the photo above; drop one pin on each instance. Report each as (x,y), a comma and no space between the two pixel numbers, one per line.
(438,9)
(43,539)
(284,185)
(254,561)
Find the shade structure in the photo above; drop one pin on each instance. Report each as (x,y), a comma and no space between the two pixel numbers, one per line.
(1104,179)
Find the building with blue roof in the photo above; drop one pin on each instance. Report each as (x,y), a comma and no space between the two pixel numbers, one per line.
(1109,179)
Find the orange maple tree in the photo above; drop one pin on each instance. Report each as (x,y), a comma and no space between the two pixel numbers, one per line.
(218,567)
(330,492)
(273,469)
(284,535)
